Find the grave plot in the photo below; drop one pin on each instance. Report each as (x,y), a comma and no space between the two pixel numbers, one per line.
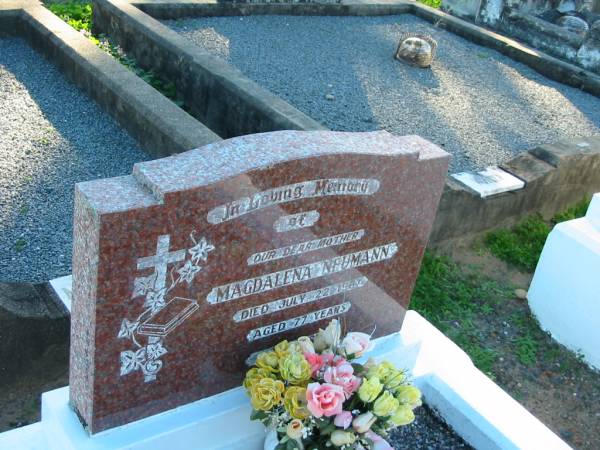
(53,136)
(481,106)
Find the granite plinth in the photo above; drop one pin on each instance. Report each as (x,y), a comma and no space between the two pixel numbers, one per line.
(184,269)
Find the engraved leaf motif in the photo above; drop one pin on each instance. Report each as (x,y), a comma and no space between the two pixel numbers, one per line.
(155,351)
(131,360)
(143,285)
(155,300)
(127,328)
(200,250)
(188,271)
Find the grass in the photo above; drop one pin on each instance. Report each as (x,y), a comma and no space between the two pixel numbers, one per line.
(78,14)
(433,3)
(522,245)
(483,318)
(455,302)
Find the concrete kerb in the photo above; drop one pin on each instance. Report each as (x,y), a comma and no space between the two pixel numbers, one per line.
(216,93)
(547,65)
(160,126)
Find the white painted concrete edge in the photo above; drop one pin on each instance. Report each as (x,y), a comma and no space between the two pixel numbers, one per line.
(564,294)
(474,406)
(63,287)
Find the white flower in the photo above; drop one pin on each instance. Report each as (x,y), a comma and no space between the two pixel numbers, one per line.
(131,360)
(356,344)
(188,271)
(363,423)
(328,338)
(200,250)
(127,328)
(295,429)
(306,345)
(155,300)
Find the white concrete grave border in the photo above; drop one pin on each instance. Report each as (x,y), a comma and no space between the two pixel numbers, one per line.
(565,291)
(472,404)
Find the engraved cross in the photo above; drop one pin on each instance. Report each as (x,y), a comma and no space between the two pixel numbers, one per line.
(161,260)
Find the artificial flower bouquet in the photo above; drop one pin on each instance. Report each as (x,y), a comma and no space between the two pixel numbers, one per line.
(312,394)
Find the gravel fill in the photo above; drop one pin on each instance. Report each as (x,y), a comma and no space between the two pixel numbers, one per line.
(481,106)
(427,432)
(51,137)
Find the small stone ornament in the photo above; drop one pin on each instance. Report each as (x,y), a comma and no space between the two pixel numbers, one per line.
(573,24)
(416,49)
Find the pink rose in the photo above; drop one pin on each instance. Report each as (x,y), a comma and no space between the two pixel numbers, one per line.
(317,361)
(343,419)
(379,443)
(342,374)
(324,399)
(356,344)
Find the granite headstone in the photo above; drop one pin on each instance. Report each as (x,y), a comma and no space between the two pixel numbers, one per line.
(184,269)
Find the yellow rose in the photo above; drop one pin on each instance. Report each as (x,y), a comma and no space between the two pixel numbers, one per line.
(295,369)
(281,349)
(340,438)
(295,402)
(409,395)
(266,394)
(385,405)
(395,379)
(268,361)
(369,389)
(256,374)
(403,416)
(380,370)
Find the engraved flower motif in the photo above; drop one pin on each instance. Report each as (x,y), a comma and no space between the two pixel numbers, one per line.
(188,271)
(155,300)
(131,360)
(200,250)
(155,351)
(127,328)
(142,285)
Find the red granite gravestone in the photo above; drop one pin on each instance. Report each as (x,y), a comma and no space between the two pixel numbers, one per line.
(185,268)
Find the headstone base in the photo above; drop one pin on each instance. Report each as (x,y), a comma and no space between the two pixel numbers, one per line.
(473,405)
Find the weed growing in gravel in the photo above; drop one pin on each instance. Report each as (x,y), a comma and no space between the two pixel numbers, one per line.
(20,245)
(79,15)
(522,245)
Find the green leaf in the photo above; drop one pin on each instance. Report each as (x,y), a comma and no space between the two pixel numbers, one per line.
(258,415)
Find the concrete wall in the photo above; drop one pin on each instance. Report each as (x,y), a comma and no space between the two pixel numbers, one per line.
(217,94)
(158,124)
(556,176)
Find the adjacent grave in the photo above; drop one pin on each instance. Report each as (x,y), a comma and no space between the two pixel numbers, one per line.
(186,268)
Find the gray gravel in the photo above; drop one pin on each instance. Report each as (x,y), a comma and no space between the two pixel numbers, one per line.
(427,432)
(478,104)
(51,136)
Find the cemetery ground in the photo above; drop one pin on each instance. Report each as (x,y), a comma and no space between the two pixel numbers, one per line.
(470,295)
